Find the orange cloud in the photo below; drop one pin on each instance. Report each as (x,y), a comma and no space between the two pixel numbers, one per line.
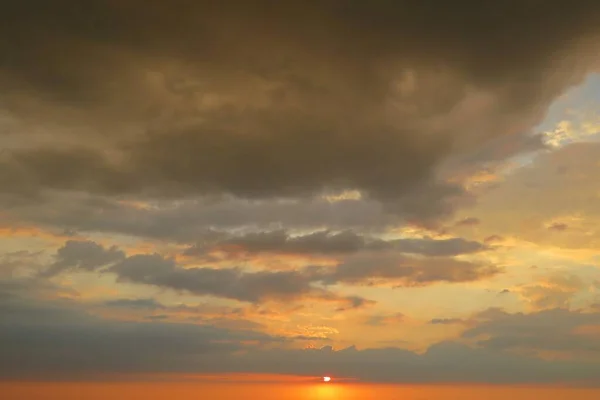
(32,231)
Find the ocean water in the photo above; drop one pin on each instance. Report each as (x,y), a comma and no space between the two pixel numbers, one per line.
(281,391)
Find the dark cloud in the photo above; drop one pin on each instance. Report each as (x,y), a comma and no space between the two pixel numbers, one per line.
(74,345)
(188,220)
(352,302)
(492,156)
(440,247)
(234,283)
(143,304)
(398,270)
(322,242)
(334,243)
(236,318)
(57,339)
(553,330)
(558,226)
(83,255)
(446,321)
(437,364)
(228,283)
(470,221)
(385,320)
(260,286)
(493,239)
(180,98)
(160,317)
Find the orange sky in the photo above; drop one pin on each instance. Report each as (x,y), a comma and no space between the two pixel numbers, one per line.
(288,391)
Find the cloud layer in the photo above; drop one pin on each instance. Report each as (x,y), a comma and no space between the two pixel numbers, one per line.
(67,342)
(331,96)
(227,186)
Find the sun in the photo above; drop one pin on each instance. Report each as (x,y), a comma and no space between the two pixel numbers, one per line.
(326,379)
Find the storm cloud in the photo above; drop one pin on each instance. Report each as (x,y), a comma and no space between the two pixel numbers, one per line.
(332,95)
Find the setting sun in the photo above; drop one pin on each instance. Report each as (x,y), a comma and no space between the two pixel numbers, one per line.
(326,379)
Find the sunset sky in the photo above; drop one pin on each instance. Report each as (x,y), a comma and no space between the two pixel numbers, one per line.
(390,192)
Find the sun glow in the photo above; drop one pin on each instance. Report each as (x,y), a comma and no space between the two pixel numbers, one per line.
(326,379)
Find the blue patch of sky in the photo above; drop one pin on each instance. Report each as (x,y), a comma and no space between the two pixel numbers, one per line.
(583,97)
(571,106)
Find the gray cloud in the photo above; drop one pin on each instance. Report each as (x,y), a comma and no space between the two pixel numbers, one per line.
(446,321)
(289,103)
(229,283)
(470,221)
(66,342)
(399,270)
(83,255)
(140,304)
(493,239)
(552,330)
(57,339)
(440,247)
(385,320)
(322,242)
(334,243)
(286,285)
(204,313)
(260,286)
(437,364)
(72,344)
(558,226)
(187,220)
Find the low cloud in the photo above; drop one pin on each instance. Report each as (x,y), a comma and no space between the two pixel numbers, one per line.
(552,331)
(558,226)
(260,286)
(231,283)
(470,221)
(399,270)
(385,320)
(493,239)
(333,243)
(138,304)
(189,219)
(446,321)
(57,339)
(84,256)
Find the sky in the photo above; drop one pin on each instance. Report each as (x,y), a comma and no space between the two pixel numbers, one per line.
(388,192)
